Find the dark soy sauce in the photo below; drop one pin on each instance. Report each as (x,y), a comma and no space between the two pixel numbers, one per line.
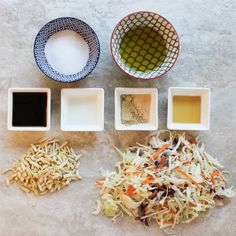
(29,109)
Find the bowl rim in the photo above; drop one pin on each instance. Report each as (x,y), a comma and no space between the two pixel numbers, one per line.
(98,46)
(113,56)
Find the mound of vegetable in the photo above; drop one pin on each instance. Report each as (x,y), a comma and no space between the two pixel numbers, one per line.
(170,180)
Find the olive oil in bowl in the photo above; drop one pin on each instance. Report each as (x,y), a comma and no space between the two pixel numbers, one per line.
(144,45)
(143,48)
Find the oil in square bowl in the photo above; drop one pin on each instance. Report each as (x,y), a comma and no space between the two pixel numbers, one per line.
(188,108)
(136,109)
(82,109)
(29,109)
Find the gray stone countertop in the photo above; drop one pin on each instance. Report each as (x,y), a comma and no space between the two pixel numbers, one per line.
(207,31)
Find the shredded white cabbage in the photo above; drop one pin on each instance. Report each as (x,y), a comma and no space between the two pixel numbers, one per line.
(170,180)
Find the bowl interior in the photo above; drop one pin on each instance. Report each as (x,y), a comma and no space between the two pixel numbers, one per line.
(38,110)
(82,109)
(204,94)
(66,23)
(152,124)
(144,45)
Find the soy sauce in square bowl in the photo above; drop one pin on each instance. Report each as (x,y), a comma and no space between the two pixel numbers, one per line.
(29,109)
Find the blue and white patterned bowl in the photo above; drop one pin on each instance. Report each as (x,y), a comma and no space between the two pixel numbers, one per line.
(66,23)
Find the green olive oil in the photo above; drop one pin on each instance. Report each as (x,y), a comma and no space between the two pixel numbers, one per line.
(143,49)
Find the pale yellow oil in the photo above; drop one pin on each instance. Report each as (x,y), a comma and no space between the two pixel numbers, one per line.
(187,109)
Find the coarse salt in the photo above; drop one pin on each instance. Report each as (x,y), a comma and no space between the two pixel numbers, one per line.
(67,52)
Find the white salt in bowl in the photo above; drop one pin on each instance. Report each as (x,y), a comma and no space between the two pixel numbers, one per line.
(66,49)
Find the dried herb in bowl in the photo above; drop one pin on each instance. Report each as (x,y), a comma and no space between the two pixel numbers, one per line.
(135,108)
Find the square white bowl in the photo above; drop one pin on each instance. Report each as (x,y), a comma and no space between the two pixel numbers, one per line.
(153,122)
(82,109)
(204,93)
(10,109)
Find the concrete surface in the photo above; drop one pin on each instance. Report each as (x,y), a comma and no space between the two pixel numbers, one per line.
(207,30)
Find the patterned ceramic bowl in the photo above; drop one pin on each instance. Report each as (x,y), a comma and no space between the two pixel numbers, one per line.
(66,23)
(144,45)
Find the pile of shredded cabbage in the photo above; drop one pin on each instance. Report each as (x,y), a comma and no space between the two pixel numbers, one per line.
(170,180)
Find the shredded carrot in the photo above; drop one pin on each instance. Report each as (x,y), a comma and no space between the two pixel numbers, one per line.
(203,201)
(192,142)
(192,204)
(213,175)
(172,212)
(164,205)
(159,151)
(99,182)
(149,176)
(181,186)
(162,162)
(168,222)
(153,194)
(134,172)
(148,180)
(187,162)
(130,190)
(139,167)
(152,168)
(189,177)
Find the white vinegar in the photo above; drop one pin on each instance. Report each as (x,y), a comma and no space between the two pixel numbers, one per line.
(82,110)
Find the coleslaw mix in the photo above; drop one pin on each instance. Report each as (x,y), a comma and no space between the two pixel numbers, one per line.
(170,180)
